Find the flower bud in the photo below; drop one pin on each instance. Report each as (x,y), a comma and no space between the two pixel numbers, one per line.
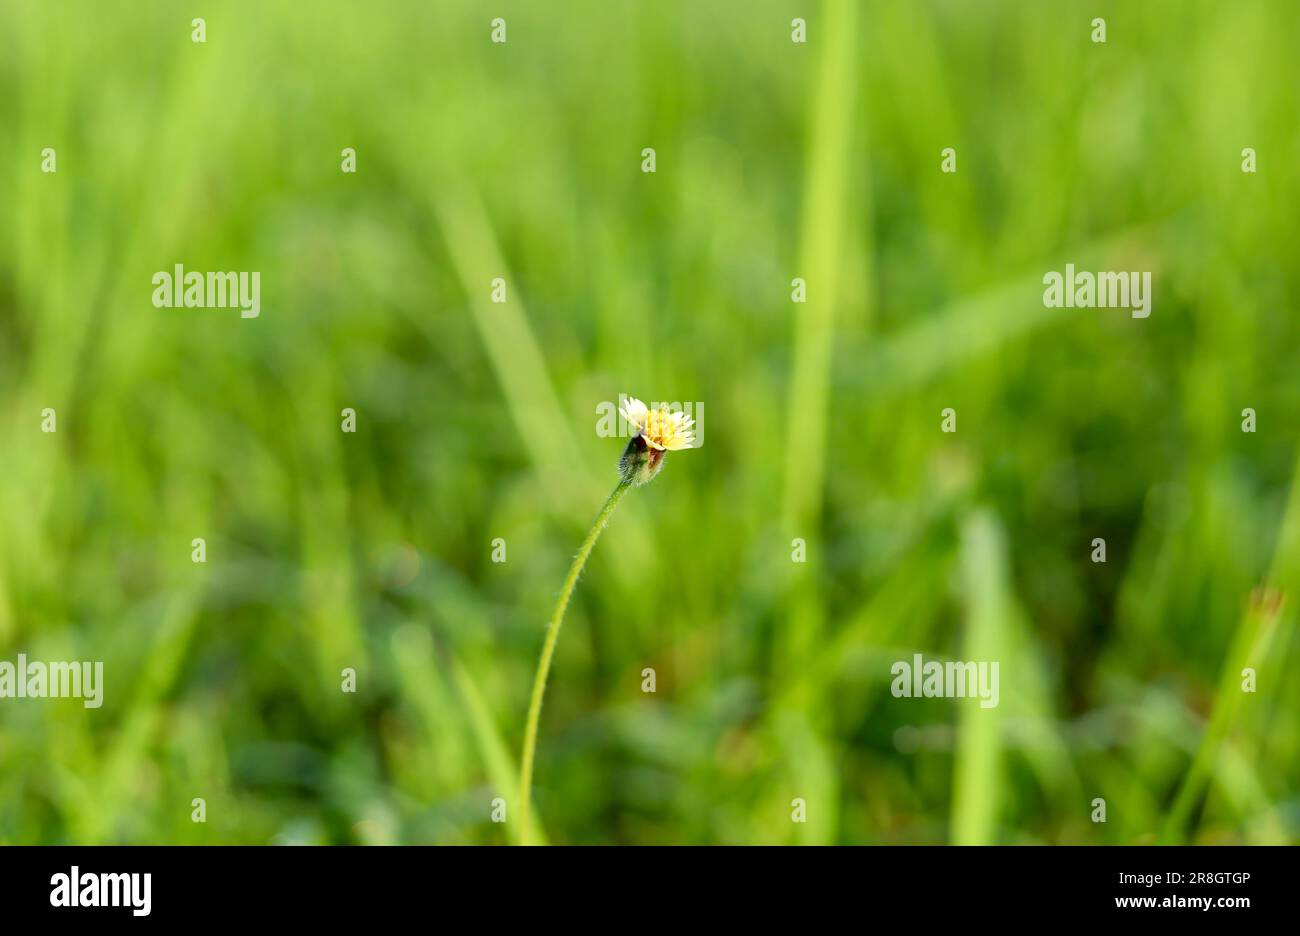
(640,462)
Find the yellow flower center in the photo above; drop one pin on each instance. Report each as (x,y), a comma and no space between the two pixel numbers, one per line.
(664,431)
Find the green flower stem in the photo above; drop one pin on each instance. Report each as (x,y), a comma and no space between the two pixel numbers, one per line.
(548,651)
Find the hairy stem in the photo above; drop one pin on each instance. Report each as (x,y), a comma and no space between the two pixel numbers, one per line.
(548,651)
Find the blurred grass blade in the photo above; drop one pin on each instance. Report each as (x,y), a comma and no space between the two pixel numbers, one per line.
(1249,648)
(501,766)
(545,429)
(823,235)
(977,770)
(512,347)
(1265,614)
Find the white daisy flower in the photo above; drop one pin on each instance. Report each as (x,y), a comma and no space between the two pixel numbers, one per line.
(662,429)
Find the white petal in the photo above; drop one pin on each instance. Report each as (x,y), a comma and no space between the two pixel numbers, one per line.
(635,412)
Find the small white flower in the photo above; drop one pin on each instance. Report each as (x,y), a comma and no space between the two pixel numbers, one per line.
(662,429)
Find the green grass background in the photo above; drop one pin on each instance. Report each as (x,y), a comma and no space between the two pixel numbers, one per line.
(822,420)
